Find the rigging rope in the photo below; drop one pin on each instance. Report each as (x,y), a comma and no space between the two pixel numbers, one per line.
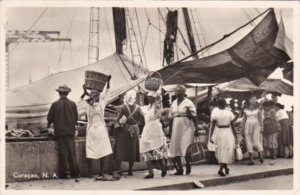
(202,30)
(214,43)
(110,41)
(71,54)
(248,17)
(140,33)
(181,34)
(31,26)
(68,33)
(195,27)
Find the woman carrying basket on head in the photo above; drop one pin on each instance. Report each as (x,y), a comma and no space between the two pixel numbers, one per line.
(97,139)
(153,143)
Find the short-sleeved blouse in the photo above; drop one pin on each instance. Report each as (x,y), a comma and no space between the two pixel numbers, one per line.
(181,109)
(223,117)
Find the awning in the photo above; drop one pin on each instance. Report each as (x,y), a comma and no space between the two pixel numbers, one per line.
(254,57)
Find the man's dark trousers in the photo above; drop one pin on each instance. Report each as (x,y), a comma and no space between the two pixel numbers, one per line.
(67,156)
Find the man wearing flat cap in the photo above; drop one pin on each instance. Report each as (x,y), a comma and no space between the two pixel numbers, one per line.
(63,115)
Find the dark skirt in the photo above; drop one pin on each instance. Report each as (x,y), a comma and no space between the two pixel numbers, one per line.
(127,146)
(286,133)
(270,126)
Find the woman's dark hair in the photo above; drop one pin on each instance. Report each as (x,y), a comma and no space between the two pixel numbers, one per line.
(268,104)
(222,103)
(280,106)
(251,95)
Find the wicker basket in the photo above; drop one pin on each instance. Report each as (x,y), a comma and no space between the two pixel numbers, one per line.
(95,80)
(153,81)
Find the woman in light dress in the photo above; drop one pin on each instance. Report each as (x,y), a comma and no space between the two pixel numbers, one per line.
(97,139)
(183,128)
(225,139)
(153,143)
(252,129)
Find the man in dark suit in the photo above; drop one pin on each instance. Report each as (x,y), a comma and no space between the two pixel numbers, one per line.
(64,115)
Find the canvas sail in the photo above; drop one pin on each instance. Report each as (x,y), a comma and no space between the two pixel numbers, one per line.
(254,57)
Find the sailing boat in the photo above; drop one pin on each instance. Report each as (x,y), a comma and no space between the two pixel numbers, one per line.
(31,102)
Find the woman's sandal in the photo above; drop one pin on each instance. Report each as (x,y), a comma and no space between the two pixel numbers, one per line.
(221,173)
(150,176)
(164,171)
(101,178)
(227,170)
(188,169)
(261,160)
(179,172)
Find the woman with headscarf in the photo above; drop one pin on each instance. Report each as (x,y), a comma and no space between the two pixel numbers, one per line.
(183,128)
(286,131)
(97,140)
(153,144)
(252,129)
(130,118)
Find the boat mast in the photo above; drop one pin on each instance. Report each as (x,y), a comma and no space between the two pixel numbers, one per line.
(189,31)
(93,49)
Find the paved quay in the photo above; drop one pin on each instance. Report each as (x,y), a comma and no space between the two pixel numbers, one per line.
(202,176)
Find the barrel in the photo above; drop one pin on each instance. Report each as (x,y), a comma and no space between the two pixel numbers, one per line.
(95,80)
(153,81)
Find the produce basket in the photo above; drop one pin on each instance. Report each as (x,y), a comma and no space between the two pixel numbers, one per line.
(153,81)
(95,80)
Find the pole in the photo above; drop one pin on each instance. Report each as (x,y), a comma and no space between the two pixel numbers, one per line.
(189,30)
(7,64)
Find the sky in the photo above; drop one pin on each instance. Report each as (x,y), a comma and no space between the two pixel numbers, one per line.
(37,60)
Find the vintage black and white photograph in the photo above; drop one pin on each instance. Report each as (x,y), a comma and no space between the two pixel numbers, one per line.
(149,98)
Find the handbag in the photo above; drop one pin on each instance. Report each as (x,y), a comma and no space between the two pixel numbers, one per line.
(197,151)
(211,146)
(238,153)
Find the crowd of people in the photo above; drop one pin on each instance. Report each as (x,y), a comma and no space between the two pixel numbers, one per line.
(139,133)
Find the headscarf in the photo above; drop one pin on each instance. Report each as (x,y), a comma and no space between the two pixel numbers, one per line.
(130,97)
(180,88)
(152,93)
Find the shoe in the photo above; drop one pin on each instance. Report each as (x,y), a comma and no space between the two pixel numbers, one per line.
(116,176)
(188,169)
(130,173)
(179,172)
(76,180)
(101,178)
(164,172)
(68,176)
(250,163)
(150,176)
(227,170)
(261,160)
(221,173)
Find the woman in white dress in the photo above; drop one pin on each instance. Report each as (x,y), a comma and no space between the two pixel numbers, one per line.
(97,138)
(252,129)
(225,139)
(183,128)
(153,143)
